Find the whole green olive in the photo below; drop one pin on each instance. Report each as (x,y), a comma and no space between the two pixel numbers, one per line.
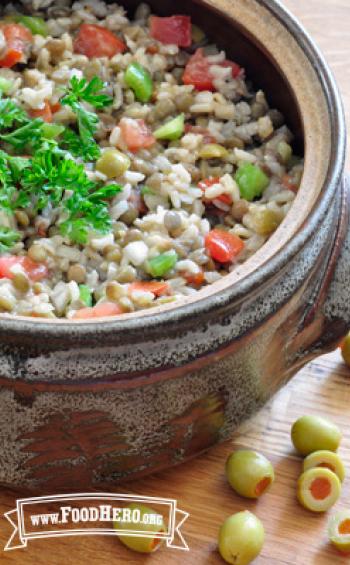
(241,538)
(314,433)
(249,473)
(141,518)
(112,163)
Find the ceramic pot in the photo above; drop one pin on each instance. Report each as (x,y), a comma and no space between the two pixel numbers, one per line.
(86,404)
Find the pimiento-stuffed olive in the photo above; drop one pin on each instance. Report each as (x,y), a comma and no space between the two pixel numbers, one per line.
(314,433)
(345,349)
(326,459)
(141,518)
(249,473)
(318,489)
(339,531)
(241,538)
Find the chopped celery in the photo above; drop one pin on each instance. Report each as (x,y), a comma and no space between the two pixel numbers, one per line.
(5,85)
(161,264)
(50,131)
(140,81)
(251,180)
(85,295)
(171,130)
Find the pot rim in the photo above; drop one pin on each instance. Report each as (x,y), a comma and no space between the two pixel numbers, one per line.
(239,289)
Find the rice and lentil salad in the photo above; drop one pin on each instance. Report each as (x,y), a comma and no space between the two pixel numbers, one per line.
(137,164)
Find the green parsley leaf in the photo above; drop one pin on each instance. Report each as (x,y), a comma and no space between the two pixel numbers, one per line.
(10,113)
(78,148)
(28,135)
(8,238)
(80,90)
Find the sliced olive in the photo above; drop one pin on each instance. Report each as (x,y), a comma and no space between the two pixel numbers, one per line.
(318,489)
(326,459)
(339,531)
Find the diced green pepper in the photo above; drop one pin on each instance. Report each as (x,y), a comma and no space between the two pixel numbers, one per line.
(5,85)
(171,130)
(85,295)
(36,25)
(161,264)
(251,181)
(51,131)
(140,81)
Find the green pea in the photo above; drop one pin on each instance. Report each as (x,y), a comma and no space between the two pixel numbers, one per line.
(241,538)
(314,433)
(142,519)
(249,473)
(113,163)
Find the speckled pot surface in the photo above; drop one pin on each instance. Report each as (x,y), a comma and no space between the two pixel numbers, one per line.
(86,404)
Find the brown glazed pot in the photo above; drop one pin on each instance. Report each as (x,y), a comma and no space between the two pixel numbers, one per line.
(86,404)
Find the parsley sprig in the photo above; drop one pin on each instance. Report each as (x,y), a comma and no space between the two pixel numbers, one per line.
(51,176)
(80,93)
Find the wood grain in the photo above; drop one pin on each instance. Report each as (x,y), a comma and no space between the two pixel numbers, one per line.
(294,536)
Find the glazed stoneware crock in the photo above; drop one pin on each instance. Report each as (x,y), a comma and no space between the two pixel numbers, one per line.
(84,405)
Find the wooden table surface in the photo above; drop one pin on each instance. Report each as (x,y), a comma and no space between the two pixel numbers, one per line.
(293,536)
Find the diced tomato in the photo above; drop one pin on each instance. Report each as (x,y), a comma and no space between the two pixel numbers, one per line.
(223,246)
(136,134)
(17,39)
(55,107)
(99,311)
(207,137)
(176,30)
(35,271)
(45,113)
(195,279)
(236,69)
(97,41)
(288,183)
(152,49)
(197,71)
(158,288)
(225,198)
